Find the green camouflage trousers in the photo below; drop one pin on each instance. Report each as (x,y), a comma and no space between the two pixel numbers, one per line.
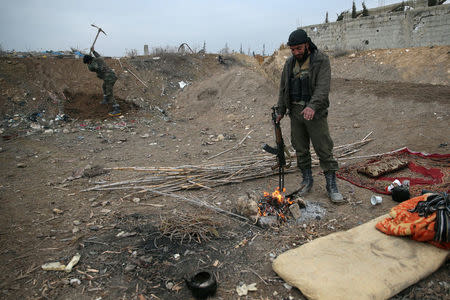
(108,86)
(316,131)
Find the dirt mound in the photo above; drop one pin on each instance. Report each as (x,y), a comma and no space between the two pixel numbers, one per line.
(427,65)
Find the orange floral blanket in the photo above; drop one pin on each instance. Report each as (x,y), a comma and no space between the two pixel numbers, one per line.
(404,223)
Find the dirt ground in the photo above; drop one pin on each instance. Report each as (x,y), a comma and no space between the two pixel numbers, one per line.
(53,127)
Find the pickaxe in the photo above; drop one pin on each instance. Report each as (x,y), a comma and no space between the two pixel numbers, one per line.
(98,32)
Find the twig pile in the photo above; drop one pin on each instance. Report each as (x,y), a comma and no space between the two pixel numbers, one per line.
(182,227)
(236,170)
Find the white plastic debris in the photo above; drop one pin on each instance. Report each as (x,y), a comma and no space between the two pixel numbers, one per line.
(72,263)
(53,266)
(126,234)
(75,281)
(243,289)
(182,84)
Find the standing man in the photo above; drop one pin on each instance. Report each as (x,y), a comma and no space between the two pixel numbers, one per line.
(304,89)
(97,64)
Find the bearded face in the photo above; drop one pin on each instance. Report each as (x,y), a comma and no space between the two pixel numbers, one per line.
(300,52)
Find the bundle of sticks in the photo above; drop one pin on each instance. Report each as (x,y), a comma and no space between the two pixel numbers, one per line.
(159,180)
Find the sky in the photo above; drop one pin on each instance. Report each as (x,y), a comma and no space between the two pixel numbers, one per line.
(36,25)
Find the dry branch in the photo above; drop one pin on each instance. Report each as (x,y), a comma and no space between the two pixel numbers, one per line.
(165,180)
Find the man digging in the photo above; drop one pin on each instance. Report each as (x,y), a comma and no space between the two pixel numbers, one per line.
(97,64)
(304,89)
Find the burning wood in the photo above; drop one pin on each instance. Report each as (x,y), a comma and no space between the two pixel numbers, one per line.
(275,204)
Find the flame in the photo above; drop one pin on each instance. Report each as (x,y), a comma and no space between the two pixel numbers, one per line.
(274,203)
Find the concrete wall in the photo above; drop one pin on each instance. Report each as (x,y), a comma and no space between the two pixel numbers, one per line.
(413,28)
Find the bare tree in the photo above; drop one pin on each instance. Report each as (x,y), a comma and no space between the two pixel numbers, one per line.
(264,50)
(225,50)
(326,18)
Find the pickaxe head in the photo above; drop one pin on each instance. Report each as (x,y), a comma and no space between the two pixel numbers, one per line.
(99,29)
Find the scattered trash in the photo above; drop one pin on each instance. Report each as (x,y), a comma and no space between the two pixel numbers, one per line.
(243,290)
(57,266)
(395,183)
(75,281)
(374,200)
(401,193)
(182,84)
(57,211)
(126,234)
(169,285)
(72,263)
(53,266)
(242,243)
(287,286)
(202,285)
(62,117)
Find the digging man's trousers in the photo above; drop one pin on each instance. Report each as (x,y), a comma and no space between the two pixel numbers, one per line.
(316,131)
(108,86)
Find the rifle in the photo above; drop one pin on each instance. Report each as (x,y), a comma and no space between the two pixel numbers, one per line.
(279,151)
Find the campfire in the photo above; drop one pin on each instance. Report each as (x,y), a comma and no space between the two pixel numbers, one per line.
(275,204)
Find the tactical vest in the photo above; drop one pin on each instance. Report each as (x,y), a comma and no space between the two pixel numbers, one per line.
(299,83)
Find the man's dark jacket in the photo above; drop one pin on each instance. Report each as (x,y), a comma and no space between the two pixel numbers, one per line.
(319,84)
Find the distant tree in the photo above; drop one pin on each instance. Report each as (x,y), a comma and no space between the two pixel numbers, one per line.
(365,11)
(204,47)
(340,17)
(240,50)
(326,18)
(353,10)
(264,50)
(248,52)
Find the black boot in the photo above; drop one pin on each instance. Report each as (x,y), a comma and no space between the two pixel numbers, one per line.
(307,182)
(332,188)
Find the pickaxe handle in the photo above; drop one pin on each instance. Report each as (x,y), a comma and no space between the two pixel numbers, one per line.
(98,33)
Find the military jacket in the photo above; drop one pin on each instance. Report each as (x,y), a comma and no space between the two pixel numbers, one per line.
(99,66)
(319,84)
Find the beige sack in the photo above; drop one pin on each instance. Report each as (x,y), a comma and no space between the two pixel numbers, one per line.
(361,263)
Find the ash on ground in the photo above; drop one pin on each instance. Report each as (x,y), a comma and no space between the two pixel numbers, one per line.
(312,211)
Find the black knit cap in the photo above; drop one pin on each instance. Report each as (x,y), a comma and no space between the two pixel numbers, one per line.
(297,37)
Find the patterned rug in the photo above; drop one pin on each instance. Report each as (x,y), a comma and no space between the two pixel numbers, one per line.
(424,171)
